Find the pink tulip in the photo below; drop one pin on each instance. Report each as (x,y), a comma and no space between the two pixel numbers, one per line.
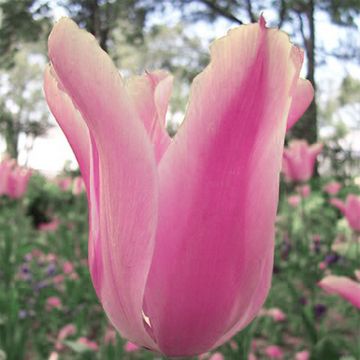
(110,336)
(91,345)
(68,267)
(78,185)
(302,355)
(5,170)
(276,314)
(65,183)
(332,188)
(294,200)
(53,302)
(18,180)
(130,347)
(350,209)
(176,224)
(50,226)
(299,160)
(343,286)
(54,356)
(217,356)
(64,332)
(304,191)
(274,352)
(252,356)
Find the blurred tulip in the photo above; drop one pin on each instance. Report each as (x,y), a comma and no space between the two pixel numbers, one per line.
(131,347)
(53,302)
(302,355)
(17,182)
(304,191)
(110,336)
(5,170)
(294,200)
(350,209)
(176,221)
(92,345)
(68,267)
(65,183)
(217,356)
(252,356)
(299,160)
(343,286)
(274,352)
(276,314)
(78,185)
(51,226)
(54,356)
(64,332)
(332,188)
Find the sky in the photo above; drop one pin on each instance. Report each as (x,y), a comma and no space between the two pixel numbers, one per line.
(52,151)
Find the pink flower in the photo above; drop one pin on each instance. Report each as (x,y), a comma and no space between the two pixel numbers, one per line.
(53,302)
(50,226)
(277,314)
(332,188)
(299,160)
(68,267)
(252,356)
(92,345)
(54,356)
(130,347)
(5,170)
(13,179)
(58,279)
(322,265)
(274,352)
(304,191)
(172,220)
(294,200)
(110,336)
(217,356)
(350,209)
(65,183)
(64,332)
(302,355)
(78,185)
(343,286)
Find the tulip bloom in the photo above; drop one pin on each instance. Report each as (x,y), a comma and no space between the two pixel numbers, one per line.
(332,188)
(343,286)
(13,179)
(350,209)
(181,230)
(17,182)
(299,160)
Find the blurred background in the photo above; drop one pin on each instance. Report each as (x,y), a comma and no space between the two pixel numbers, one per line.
(45,284)
(174,35)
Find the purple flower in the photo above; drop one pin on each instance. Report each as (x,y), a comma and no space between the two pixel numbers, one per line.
(319,310)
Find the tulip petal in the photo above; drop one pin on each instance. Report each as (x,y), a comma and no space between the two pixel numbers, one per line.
(339,204)
(302,97)
(343,286)
(150,94)
(123,174)
(70,121)
(218,194)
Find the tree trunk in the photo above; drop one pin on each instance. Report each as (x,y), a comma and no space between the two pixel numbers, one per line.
(306,128)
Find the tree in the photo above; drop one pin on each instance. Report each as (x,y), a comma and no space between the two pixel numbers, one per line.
(102,17)
(22,108)
(20,22)
(300,14)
